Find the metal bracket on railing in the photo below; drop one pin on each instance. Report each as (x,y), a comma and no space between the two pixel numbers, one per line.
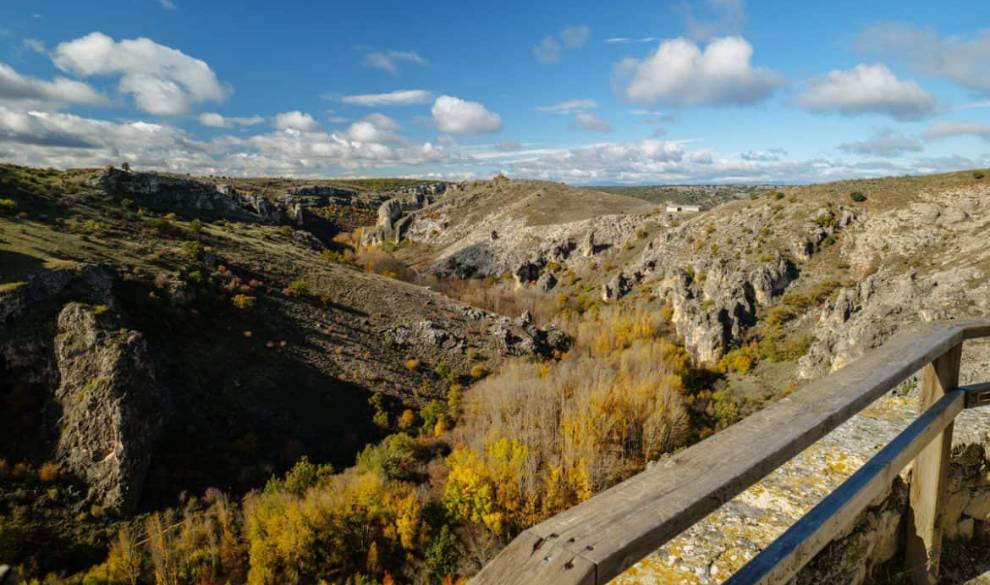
(977,395)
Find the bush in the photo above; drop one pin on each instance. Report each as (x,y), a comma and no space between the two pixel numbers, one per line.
(8,207)
(977,175)
(297,288)
(479,371)
(243,302)
(192,249)
(49,472)
(412,364)
(857,197)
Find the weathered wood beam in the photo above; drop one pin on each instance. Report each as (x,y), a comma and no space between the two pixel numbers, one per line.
(930,475)
(601,537)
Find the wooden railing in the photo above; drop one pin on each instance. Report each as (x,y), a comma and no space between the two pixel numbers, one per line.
(596,540)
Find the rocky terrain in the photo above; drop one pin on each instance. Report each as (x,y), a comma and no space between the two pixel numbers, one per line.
(144,316)
(131,338)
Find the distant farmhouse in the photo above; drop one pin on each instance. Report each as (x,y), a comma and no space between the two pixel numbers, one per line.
(678,208)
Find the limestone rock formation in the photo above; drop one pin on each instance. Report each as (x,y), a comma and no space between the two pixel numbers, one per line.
(112,406)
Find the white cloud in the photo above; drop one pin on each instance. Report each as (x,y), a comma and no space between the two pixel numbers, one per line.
(373,128)
(389,60)
(943,130)
(679,73)
(589,121)
(214,120)
(168,4)
(568,106)
(400,97)
(36,46)
(29,92)
(162,80)
(295,120)
(575,37)
(629,41)
(66,140)
(773,154)
(886,143)
(718,18)
(963,60)
(551,48)
(457,116)
(548,51)
(867,89)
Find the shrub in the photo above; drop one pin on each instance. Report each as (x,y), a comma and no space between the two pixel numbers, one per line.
(49,472)
(977,175)
(196,226)
(407,419)
(8,207)
(412,364)
(479,371)
(243,302)
(724,408)
(192,249)
(857,197)
(297,288)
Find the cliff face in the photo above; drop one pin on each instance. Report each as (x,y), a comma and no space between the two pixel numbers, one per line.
(112,407)
(92,401)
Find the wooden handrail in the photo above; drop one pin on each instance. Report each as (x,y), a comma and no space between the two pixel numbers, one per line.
(596,540)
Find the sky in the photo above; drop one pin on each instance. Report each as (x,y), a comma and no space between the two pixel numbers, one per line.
(584,91)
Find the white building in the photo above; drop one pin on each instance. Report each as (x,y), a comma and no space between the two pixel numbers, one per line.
(677,208)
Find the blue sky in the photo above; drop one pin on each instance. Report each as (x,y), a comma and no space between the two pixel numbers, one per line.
(585,92)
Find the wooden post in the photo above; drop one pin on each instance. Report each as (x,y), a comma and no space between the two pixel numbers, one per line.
(930,476)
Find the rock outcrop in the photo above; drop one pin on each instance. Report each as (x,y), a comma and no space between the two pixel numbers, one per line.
(392,222)
(112,406)
(712,308)
(192,197)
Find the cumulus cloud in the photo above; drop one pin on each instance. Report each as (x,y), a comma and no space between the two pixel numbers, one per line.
(295,120)
(374,143)
(867,89)
(551,48)
(66,140)
(589,121)
(389,61)
(31,93)
(943,130)
(679,73)
(162,80)
(373,128)
(568,106)
(401,97)
(214,120)
(886,143)
(962,60)
(457,116)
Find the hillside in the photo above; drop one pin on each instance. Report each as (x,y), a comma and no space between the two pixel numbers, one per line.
(258,367)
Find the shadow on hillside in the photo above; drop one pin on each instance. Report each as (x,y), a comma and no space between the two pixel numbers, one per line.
(242,409)
(16,266)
